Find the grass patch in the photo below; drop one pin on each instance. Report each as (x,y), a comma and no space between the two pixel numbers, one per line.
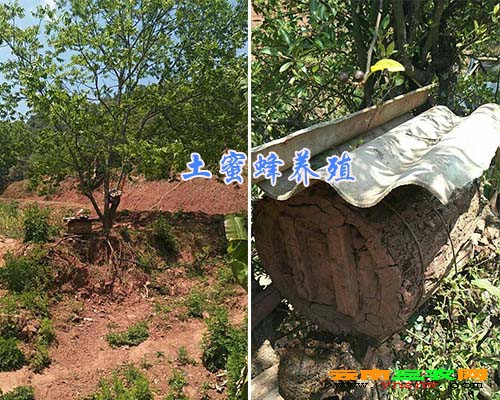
(126,384)
(197,267)
(195,303)
(19,393)
(46,333)
(11,222)
(32,306)
(177,382)
(133,336)
(160,308)
(37,228)
(183,357)
(217,341)
(162,233)
(40,358)
(26,273)
(236,365)
(457,328)
(46,336)
(146,261)
(11,357)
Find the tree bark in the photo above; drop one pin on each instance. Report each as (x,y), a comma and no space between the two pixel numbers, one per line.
(362,271)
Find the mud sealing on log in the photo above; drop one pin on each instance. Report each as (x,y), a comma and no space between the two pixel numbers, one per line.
(362,270)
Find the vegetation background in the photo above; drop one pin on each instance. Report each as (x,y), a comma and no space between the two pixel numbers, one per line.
(105,93)
(100,90)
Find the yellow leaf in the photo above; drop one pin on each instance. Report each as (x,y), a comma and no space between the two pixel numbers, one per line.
(388,64)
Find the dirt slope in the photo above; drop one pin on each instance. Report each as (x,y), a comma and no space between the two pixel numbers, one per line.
(82,356)
(207,196)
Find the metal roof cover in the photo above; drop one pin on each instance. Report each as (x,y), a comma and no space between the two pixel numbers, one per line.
(436,150)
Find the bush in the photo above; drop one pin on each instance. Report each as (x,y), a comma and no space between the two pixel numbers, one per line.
(162,232)
(40,359)
(36,224)
(19,393)
(46,333)
(133,336)
(177,382)
(11,223)
(236,363)
(46,336)
(31,304)
(128,384)
(35,302)
(225,347)
(218,341)
(195,303)
(25,273)
(11,358)
(183,357)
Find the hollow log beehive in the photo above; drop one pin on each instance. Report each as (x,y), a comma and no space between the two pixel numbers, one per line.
(362,271)
(360,257)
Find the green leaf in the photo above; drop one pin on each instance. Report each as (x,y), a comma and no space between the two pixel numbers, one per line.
(236,234)
(390,49)
(285,66)
(235,227)
(398,81)
(285,36)
(319,43)
(240,272)
(269,51)
(486,285)
(385,22)
(314,6)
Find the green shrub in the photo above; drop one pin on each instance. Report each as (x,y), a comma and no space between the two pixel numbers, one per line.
(11,358)
(46,332)
(225,347)
(19,393)
(33,305)
(183,357)
(11,223)
(133,336)
(235,365)
(40,359)
(35,302)
(36,224)
(177,382)
(162,233)
(195,303)
(127,384)
(145,261)
(218,341)
(25,273)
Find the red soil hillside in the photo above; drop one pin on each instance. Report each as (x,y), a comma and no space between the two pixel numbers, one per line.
(202,195)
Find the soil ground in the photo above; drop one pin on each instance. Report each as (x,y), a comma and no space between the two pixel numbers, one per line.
(198,195)
(81,355)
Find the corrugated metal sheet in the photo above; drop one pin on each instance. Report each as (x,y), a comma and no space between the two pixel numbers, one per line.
(436,150)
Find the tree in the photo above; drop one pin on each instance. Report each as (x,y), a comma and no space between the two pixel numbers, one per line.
(104,74)
(311,58)
(17,143)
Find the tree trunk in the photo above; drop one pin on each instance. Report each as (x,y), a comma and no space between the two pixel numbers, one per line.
(113,202)
(362,271)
